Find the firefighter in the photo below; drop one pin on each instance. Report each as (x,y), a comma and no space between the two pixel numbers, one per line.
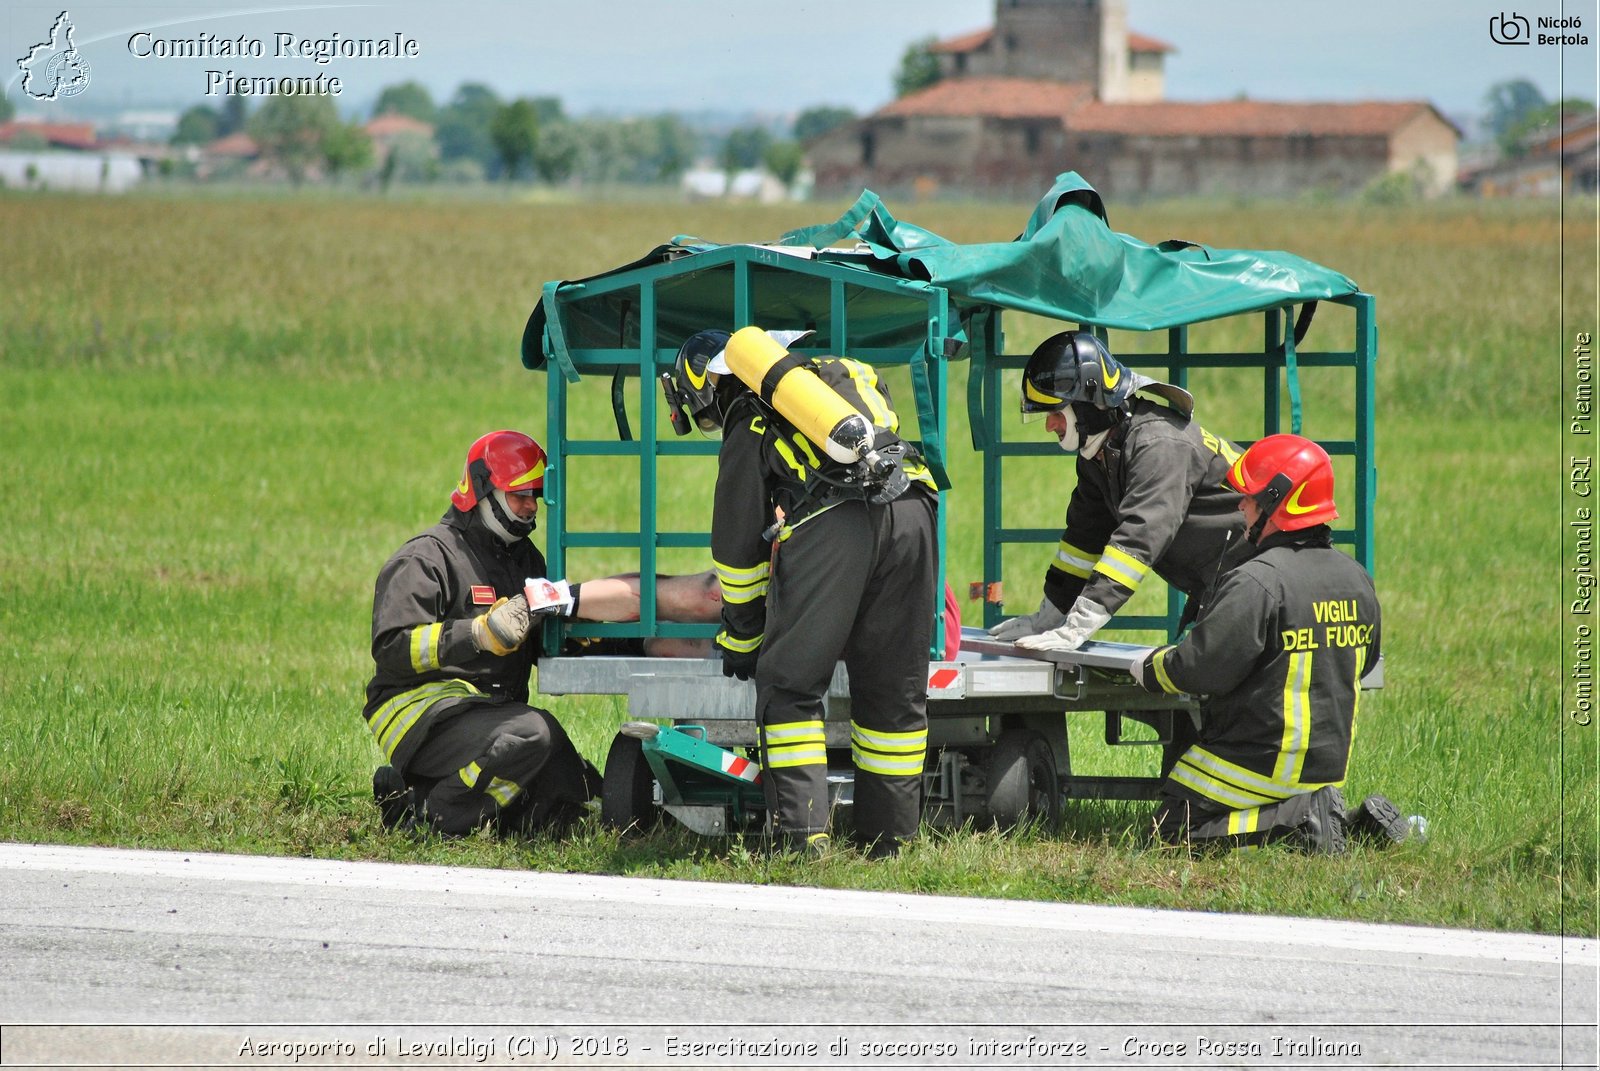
(1278,656)
(448,703)
(1151,493)
(820,561)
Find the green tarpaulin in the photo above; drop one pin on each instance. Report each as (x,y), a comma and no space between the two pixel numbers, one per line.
(1067,264)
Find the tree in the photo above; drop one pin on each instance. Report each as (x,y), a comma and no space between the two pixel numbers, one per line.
(410,157)
(462,132)
(235,115)
(407,98)
(604,156)
(548,110)
(745,147)
(677,148)
(919,68)
(659,148)
(1542,121)
(817,121)
(515,133)
(556,154)
(296,133)
(7,110)
(346,147)
(197,126)
(1507,103)
(783,159)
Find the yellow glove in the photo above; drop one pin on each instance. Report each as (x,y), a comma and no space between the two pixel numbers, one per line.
(502,628)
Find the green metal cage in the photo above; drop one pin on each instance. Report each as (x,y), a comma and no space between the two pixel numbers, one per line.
(884,301)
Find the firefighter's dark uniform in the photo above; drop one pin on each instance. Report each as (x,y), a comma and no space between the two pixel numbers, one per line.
(453,720)
(1279,656)
(846,579)
(1154,498)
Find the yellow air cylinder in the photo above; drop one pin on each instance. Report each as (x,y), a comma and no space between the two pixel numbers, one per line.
(799,395)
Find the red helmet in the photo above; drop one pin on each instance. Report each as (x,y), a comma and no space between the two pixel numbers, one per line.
(507,460)
(1291,480)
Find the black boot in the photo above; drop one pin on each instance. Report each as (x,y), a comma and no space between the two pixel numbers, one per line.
(1321,832)
(397,803)
(1378,821)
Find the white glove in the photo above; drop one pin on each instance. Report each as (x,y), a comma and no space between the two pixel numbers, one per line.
(1084,621)
(502,628)
(1044,619)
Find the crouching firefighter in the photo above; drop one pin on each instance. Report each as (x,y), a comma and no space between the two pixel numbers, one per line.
(448,702)
(823,537)
(1278,656)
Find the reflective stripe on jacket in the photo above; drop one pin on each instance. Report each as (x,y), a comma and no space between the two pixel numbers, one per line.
(1154,499)
(423,604)
(1279,656)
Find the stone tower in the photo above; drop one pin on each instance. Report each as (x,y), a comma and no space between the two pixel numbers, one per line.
(1064,41)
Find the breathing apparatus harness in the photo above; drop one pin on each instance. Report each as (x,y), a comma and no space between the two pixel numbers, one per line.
(878,477)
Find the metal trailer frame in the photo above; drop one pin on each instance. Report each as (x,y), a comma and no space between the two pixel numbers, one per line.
(997,735)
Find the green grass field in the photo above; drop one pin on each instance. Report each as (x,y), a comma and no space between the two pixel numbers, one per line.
(220,417)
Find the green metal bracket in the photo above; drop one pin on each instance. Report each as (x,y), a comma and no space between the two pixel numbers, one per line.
(693,771)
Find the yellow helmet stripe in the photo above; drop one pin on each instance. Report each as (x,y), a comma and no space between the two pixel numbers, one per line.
(1033,394)
(529,476)
(1107,377)
(1236,473)
(1292,504)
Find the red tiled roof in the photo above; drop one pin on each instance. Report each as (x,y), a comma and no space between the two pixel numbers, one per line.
(391,123)
(967,42)
(1002,98)
(238,144)
(1576,133)
(1245,118)
(65,135)
(1138,42)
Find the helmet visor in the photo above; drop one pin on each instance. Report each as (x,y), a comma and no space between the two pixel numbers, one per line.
(1039,403)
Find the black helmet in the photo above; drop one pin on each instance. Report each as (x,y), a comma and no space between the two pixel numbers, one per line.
(1074,366)
(689,388)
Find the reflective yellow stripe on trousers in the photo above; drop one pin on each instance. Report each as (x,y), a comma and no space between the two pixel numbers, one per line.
(794,743)
(888,754)
(499,789)
(1231,784)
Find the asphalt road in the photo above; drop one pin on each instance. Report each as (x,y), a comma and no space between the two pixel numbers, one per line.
(158,959)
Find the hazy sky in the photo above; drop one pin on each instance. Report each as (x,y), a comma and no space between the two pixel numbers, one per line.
(690,55)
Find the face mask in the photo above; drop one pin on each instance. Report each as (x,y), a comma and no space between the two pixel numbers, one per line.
(1091,446)
(1070,438)
(498,518)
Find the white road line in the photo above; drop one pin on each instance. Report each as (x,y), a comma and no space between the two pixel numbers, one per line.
(687,895)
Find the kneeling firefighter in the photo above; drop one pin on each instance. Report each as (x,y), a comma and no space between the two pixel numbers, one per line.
(823,537)
(1279,655)
(448,700)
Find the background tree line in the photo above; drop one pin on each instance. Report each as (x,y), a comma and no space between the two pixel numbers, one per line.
(478,135)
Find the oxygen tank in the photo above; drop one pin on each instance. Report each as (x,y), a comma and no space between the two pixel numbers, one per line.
(799,395)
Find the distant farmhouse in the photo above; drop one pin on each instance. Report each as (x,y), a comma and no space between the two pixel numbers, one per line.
(1560,162)
(1058,85)
(64,156)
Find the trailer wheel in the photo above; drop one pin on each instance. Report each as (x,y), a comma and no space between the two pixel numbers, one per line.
(626,795)
(1021,776)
